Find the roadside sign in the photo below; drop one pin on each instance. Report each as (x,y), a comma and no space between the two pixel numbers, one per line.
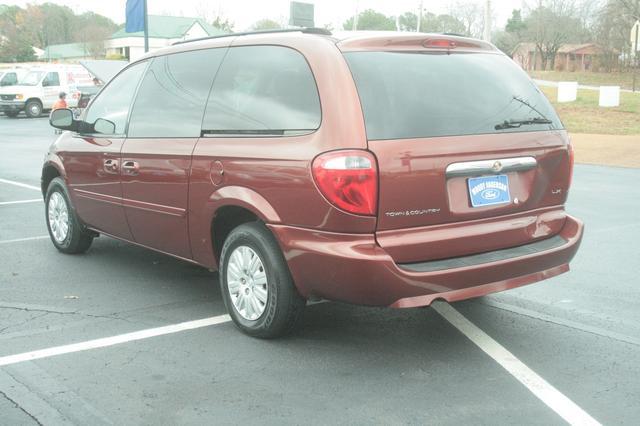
(301,14)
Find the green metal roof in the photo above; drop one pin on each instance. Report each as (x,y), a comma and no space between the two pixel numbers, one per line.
(169,27)
(64,51)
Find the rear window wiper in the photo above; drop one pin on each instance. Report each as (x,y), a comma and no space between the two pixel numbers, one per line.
(517,123)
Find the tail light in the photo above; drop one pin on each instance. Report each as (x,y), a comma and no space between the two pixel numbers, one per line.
(348,180)
(571,160)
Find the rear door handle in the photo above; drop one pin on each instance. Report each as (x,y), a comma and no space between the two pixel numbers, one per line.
(130,168)
(111,166)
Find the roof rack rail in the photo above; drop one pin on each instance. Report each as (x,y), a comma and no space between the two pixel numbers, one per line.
(306,30)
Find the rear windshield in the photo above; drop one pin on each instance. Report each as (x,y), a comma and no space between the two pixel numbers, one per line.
(418,94)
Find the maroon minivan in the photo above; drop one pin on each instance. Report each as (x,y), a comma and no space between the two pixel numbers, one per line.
(384,169)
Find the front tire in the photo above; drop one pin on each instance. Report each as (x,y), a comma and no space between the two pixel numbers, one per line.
(33,109)
(65,230)
(256,284)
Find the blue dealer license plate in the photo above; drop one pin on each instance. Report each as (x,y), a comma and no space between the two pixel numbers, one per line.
(489,190)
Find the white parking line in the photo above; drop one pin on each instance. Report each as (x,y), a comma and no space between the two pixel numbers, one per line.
(20,184)
(36,200)
(555,400)
(19,240)
(113,340)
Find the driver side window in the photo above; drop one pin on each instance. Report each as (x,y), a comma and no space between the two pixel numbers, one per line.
(114,101)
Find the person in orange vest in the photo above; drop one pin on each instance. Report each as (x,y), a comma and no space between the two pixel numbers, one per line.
(61,102)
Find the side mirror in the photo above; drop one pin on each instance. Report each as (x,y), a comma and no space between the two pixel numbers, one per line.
(104,126)
(63,119)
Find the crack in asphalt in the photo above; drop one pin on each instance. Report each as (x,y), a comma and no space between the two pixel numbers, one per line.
(2,330)
(48,311)
(19,407)
(562,322)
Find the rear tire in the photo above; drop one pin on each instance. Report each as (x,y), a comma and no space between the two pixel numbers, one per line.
(33,109)
(263,301)
(66,232)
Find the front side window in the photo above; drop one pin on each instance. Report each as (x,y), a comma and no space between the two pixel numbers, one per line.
(114,101)
(173,94)
(9,79)
(425,94)
(263,90)
(52,79)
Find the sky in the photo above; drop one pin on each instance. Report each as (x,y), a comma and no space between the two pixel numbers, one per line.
(243,13)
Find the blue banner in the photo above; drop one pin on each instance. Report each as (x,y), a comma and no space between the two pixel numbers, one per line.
(135,16)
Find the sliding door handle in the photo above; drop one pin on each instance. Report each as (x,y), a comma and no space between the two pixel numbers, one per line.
(111,166)
(130,168)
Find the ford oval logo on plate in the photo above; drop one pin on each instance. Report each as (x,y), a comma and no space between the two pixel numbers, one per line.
(489,190)
(490,194)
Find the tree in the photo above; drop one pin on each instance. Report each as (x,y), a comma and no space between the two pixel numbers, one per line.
(408,21)
(371,20)
(471,15)
(47,24)
(223,24)
(266,24)
(515,25)
(432,23)
(616,18)
(550,25)
(513,33)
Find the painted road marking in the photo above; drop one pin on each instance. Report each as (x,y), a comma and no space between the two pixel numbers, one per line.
(20,184)
(113,340)
(19,240)
(555,400)
(37,200)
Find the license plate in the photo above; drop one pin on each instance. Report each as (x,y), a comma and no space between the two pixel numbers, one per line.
(489,190)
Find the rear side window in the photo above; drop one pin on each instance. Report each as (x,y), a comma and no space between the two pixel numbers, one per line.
(173,94)
(52,79)
(263,90)
(418,94)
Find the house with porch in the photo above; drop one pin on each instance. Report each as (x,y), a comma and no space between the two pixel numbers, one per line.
(570,57)
(163,31)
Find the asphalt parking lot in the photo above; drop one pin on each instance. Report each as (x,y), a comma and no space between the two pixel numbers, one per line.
(579,332)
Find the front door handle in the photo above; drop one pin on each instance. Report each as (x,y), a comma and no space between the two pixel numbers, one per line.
(111,166)
(130,168)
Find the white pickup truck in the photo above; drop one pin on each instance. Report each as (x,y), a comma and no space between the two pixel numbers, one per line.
(40,87)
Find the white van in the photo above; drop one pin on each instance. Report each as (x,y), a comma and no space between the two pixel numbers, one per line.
(40,87)
(11,76)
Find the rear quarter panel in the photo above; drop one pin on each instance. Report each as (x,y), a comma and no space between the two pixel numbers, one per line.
(278,169)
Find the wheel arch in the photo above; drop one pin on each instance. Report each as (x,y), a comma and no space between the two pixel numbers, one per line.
(232,206)
(34,99)
(51,169)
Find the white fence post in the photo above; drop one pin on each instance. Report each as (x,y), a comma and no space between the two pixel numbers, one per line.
(609,96)
(567,91)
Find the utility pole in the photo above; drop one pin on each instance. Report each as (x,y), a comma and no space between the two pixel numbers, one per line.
(419,17)
(487,21)
(146,28)
(635,27)
(354,27)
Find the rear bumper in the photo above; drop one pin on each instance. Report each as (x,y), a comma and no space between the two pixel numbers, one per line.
(354,268)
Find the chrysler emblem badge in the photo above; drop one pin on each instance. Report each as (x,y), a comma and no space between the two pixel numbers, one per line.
(497,166)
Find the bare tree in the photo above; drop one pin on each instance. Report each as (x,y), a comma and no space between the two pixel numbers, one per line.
(471,14)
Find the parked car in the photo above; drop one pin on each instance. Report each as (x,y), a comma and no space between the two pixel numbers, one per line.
(38,90)
(384,169)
